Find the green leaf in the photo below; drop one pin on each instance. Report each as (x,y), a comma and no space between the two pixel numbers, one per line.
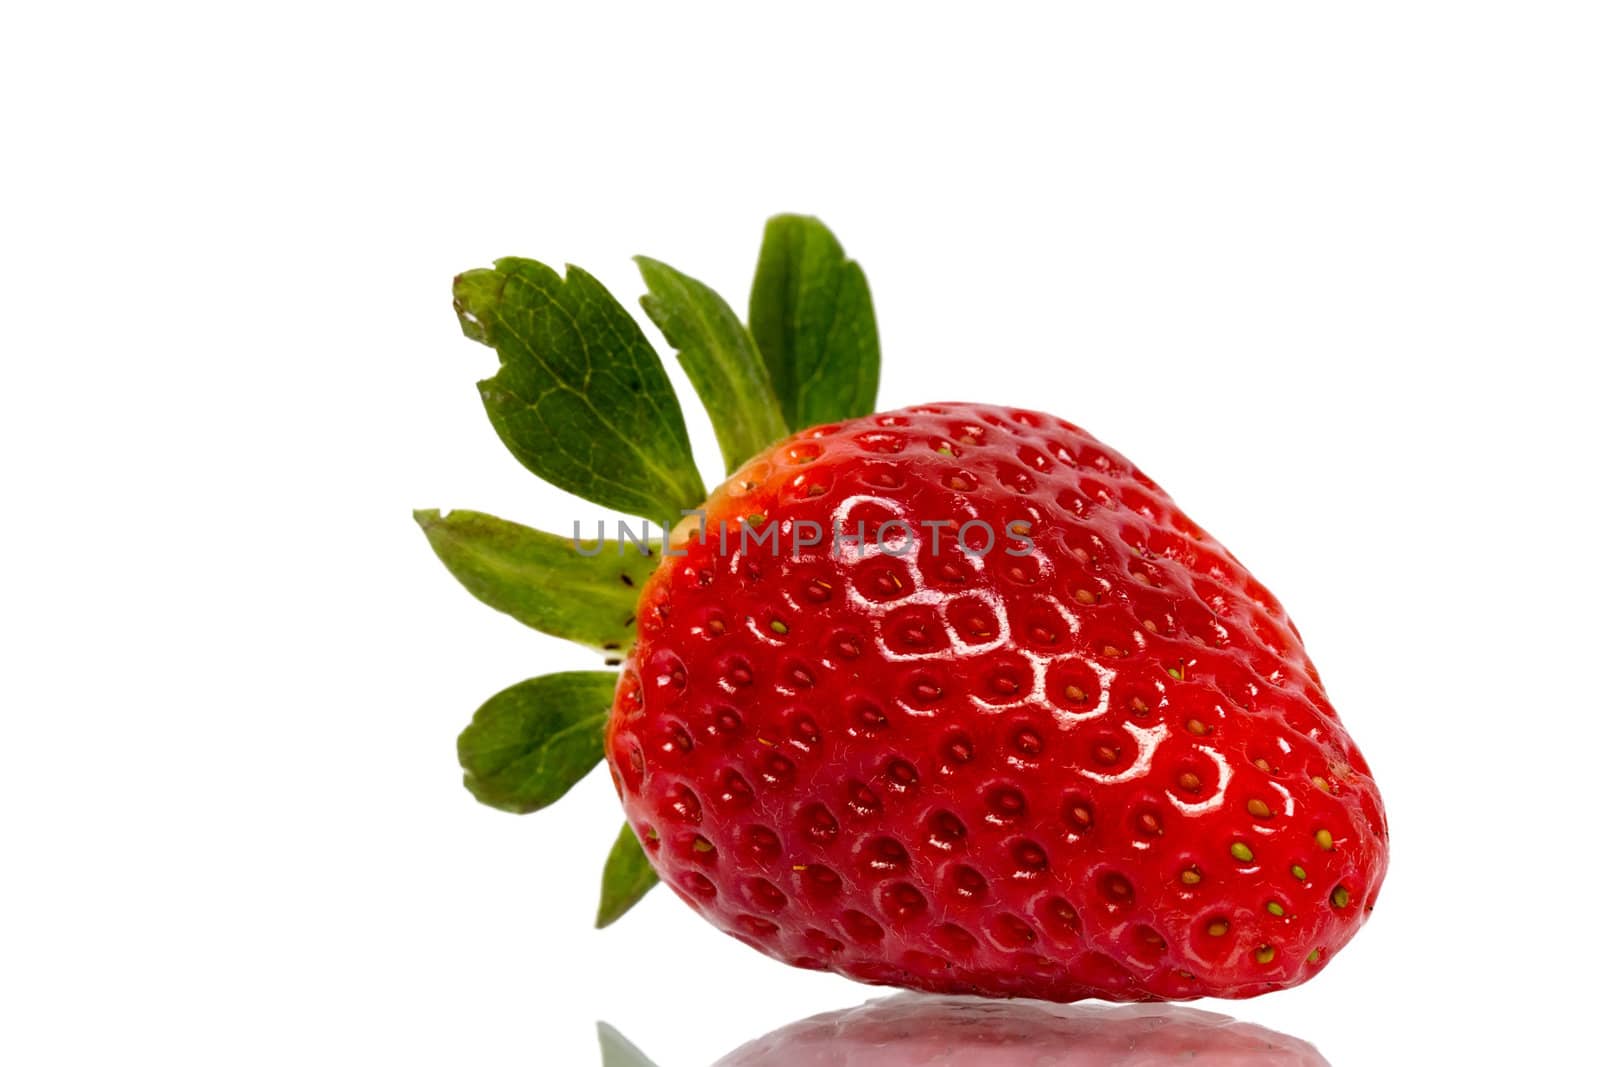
(531,743)
(628,877)
(811,316)
(581,398)
(541,579)
(720,357)
(618,1051)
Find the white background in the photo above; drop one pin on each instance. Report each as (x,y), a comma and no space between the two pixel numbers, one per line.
(1328,273)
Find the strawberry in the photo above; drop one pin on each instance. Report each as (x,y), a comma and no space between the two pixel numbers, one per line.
(1103,767)
(952,697)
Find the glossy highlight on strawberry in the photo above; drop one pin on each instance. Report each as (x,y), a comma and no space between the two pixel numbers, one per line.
(1105,767)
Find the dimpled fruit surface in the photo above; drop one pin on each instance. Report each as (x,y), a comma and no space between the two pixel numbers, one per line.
(908,1030)
(1081,752)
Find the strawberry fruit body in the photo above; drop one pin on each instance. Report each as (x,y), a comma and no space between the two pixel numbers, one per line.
(952,697)
(1103,766)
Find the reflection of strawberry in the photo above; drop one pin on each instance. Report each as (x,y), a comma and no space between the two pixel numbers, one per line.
(916,1031)
(952,697)
(1102,767)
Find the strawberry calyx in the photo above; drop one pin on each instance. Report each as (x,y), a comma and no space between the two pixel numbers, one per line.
(582,400)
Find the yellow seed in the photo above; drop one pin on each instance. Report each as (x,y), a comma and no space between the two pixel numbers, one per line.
(1176,673)
(1262,765)
(1241,852)
(1298,871)
(779,626)
(1074,693)
(1197,727)
(1190,877)
(1325,840)
(1320,782)
(1265,953)
(1316,954)
(1084,596)
(1258,808)
(1190,781)
(1217,928)
(1274,908)
(1341,896)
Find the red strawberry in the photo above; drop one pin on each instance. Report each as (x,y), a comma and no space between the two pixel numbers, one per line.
(952,697)
(1104,767)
